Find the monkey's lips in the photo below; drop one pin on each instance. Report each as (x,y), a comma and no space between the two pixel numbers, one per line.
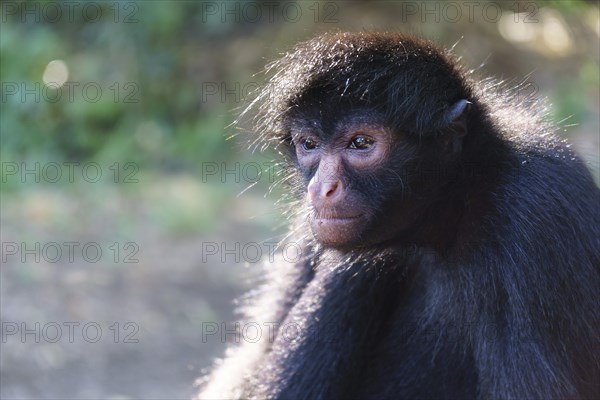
(337,230)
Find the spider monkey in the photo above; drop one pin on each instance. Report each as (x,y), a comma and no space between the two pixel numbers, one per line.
(451,242)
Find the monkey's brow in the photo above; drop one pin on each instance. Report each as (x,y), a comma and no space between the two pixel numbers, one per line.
(347,123)
(366,126)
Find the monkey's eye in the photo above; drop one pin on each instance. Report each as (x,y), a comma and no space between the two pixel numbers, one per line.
(309,144)
(361,143)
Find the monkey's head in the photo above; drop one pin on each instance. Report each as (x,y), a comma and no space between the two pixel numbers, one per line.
(363,118)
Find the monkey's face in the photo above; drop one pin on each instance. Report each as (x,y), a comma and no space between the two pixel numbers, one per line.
(346,170)
(376,129)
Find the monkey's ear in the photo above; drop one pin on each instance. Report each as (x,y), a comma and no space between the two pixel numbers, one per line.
(456,122)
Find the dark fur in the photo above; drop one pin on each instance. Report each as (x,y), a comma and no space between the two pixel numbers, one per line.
(490,289)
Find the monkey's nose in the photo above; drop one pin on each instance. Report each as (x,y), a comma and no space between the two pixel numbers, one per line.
(329,189)
(324,191)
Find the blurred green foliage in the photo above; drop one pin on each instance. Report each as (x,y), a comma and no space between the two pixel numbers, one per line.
(149,72)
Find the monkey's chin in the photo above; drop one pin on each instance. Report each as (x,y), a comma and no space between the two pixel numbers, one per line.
(337,232)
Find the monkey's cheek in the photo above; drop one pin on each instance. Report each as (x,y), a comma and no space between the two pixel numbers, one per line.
(337,232)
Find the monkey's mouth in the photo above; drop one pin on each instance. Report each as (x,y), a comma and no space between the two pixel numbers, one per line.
(333,216)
